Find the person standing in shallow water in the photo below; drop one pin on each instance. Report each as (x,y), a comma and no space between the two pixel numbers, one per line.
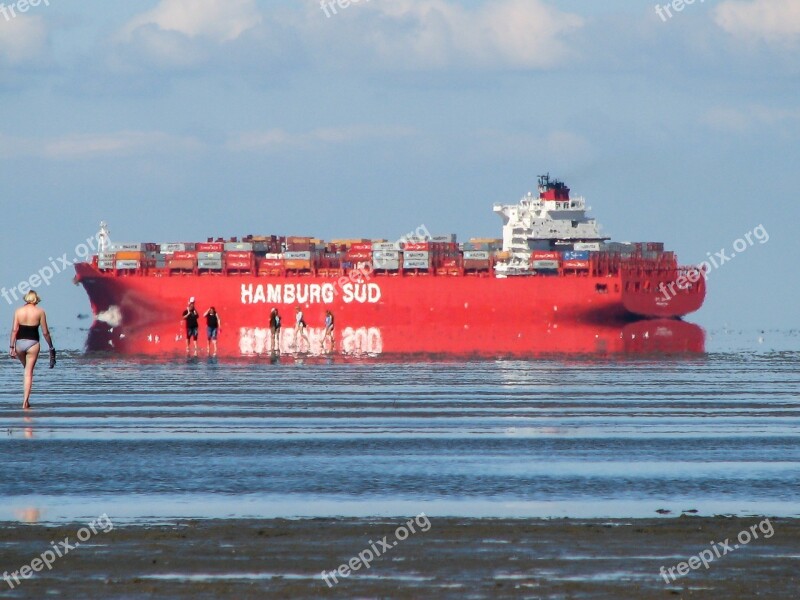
(275,330)
(213,327)
(192,319)
(25,340)
(300,329)
(329,332)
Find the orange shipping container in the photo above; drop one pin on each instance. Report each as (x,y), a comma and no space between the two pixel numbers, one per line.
(129,255)
(181,264)
(298,265)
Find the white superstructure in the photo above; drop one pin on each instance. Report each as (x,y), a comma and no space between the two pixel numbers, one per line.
(544,222)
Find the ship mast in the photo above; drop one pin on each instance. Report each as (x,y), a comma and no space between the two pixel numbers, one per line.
(103,238)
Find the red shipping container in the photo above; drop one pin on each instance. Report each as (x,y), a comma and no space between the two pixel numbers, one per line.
(361,247)
(210,247)
(417,246)
(545,255)
(355,256)
(576,264)
(270,263)
(238,264)
(450,262)
(298,247)
(184,256)
(476,265)
(238,255)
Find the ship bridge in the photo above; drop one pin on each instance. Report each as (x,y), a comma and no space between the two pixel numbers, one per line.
(546,221)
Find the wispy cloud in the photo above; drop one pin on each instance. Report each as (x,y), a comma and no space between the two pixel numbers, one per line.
(771,21)
(279,139)
(740,120)
(23,39)
(218,20)
(88,146)
(144,143)
(435,34)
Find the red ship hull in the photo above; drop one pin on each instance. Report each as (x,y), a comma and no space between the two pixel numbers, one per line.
(462,315)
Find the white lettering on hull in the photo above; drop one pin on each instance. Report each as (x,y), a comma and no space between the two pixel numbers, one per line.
(310,293)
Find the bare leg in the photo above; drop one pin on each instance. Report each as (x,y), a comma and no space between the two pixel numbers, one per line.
(214,345)
(305,337)
(28,360)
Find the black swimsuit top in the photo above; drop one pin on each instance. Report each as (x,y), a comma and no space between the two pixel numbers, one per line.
(28,332)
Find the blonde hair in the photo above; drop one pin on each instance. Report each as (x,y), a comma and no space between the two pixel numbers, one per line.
(32,298)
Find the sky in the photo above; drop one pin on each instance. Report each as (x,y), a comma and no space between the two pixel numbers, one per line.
(176,120)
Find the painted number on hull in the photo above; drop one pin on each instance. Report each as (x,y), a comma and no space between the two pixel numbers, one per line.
(364,340)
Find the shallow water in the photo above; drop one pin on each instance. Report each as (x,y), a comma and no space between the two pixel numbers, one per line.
(560,437)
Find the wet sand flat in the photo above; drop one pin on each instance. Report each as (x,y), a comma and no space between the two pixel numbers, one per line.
(454,558)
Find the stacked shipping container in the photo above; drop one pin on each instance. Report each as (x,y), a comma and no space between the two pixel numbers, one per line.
(273,255)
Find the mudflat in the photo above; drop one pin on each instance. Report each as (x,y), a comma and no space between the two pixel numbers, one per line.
(440,558)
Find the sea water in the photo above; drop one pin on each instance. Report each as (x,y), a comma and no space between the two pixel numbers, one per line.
(592,436)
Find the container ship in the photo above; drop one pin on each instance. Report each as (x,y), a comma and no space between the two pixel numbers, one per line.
(552,284)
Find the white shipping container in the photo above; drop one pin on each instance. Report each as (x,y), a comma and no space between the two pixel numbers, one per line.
(387,265)
(386,255)
(209,256)
(130,247)
(127,264)
(214,265)
(476,255)
(385,246)
(238,247)
(545,264)
(172,247)
(297,255)
(106,265)
(416,264)
(588,246)
(416,255)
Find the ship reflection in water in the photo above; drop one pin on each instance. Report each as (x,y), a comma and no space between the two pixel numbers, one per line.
(652,336)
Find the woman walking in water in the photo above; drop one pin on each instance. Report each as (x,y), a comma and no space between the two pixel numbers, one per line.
(25,340)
